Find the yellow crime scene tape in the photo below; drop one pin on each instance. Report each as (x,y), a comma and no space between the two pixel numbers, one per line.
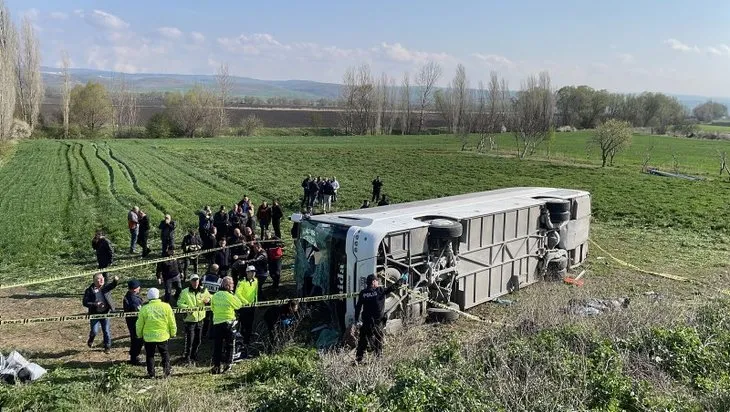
(125,267)
(112,315)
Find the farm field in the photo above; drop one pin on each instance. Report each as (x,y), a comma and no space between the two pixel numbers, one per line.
(56,193)
(715,128)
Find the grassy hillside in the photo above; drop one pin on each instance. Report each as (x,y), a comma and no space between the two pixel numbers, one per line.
(57,192)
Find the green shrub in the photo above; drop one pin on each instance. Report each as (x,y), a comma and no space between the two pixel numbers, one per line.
(250,125)
(159,127)
(292,363)
(290,396)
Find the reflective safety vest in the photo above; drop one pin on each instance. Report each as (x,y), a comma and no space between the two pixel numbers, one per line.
(224,305)
(156,322)
(248,292)
(190,299)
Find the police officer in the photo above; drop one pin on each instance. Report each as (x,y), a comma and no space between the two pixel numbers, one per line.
(247,292)
(224,305)
(371,302)
(133,303)
(193,297)
(156,324)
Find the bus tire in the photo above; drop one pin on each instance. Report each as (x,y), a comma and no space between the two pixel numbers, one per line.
(444,229)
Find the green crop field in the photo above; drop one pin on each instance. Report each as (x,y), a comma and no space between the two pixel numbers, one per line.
(715,128)
(56,193)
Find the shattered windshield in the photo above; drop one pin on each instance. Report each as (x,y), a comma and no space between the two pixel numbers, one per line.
(320,258)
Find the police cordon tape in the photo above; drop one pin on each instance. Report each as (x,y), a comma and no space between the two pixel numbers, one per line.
(113,315)
(111,269)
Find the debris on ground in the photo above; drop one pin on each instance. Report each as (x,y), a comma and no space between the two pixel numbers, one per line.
(504,302)
(15,368)
(593,307)
(657,172)
(576,281)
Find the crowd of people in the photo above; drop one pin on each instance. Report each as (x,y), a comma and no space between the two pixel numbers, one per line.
(238,266)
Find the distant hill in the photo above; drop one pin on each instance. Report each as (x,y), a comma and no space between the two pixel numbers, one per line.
(241,86)
(246,86)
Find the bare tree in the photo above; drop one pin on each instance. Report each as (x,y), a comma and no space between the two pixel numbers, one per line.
(347,100)
(426,80)
(405,104)
(223,79)
(8,48)
(124,100)
(29,86)
(532,114)
(364,101)
(723,162)
(193,112)
(65,91)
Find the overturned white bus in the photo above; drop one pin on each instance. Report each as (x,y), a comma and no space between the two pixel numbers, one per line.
(460,250)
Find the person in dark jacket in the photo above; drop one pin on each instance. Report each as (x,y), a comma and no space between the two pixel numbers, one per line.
(210,242)
(313,193)
(371,302)
(167,233)
(305,189)
(238,244)
(263,214)
(259,260)
(104,251)
(377,186)
(383,201)
(222,259)
(277,213)
(132,303)
(328,191)
(220,221)
(205,221)
(98,299)
(235,218)
(144,233)
(191,243)
(168,273)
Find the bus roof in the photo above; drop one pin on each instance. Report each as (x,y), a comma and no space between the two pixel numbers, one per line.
(403,215)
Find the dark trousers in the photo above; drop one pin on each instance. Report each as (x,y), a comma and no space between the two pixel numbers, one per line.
(207,325)
(223,338)
(264,227)
(376,195)
(245,318)
(170,285)
(312,199)
(150,348)
(135,342)
(305,200)
(191,261)
(103,266)
(142,241)
(276,223)
(193,334)
(275,272)
(167,244)
(371,334)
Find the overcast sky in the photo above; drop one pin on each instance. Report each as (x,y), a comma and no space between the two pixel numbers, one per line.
(628,46)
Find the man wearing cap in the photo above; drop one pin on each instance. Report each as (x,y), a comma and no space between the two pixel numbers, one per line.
(193,297)
(98,299)
(248,293)
(133,303)
(371,303)
(156,324)
(224,305)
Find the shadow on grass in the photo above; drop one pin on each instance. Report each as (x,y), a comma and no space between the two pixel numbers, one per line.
(40,295)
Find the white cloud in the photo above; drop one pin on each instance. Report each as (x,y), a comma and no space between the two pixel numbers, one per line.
(713,50)
(103,20)
(256,44)
(171,33)
(398,53)
(58,15)
(494,59)
(626,58)
(198,38)
(678,45)
(31,14)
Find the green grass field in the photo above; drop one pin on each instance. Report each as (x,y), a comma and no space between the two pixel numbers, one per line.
(56,193)
(715,128)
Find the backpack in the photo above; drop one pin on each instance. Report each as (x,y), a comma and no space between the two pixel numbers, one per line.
(275,253)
